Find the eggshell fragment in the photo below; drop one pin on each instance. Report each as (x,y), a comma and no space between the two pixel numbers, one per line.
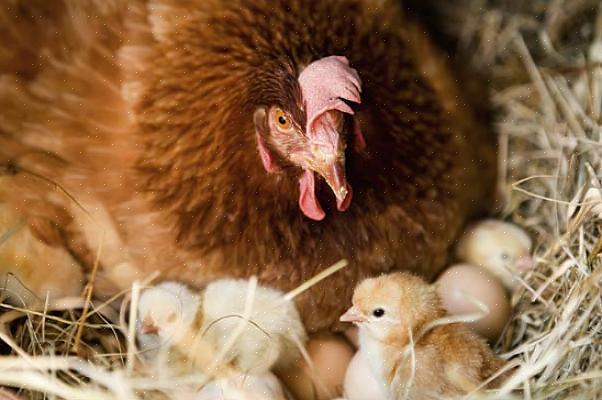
(330,355)
(502,248)
(461,284)
(360,383)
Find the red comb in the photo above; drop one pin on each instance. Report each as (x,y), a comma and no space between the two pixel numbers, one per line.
(324,84)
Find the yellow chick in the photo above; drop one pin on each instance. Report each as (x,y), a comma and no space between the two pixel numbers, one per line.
(501,248)
(168,324)
(173,319)
(411,355)
(272,337)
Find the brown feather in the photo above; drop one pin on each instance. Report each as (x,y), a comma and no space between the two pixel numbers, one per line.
(156,127)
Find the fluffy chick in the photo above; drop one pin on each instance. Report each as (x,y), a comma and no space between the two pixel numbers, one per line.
(502,248)
(412,357)
(173,321)
(272,337)
(168,322)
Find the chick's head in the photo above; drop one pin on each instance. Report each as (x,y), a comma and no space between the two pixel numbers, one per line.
(165,313)
(390,306)
(502,248)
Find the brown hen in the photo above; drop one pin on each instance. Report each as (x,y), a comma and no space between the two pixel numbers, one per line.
(209,138)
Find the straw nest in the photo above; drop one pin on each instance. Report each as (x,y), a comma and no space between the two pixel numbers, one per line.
(545,63)
(545,58)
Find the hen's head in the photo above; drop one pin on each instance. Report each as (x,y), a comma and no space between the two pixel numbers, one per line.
(307,128)
(243,87)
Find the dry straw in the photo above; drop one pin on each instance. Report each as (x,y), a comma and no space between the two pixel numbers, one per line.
(545,60)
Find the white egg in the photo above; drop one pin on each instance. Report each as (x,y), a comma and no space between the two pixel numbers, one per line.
(502,248)
(462,285)
(330,355)
(360,383)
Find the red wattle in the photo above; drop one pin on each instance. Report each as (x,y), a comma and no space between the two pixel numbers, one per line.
(308,202)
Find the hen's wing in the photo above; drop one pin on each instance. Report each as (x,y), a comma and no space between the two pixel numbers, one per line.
(64,112)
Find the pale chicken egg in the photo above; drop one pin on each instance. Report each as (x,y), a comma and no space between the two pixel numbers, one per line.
(502,248)
(330,355)
(360,383)
(462,286)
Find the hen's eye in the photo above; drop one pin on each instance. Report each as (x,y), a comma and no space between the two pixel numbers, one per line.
(505,256)
(282,121)
(379,312)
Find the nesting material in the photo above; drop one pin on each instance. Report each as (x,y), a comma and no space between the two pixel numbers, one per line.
(545,62)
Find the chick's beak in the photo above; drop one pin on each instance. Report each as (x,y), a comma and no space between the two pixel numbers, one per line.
(149,327)
(524,263)
(353,315)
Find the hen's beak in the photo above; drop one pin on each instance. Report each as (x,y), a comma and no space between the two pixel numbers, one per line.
(326,155)
(331,166)
(353,315)
(148,327)
(333,173)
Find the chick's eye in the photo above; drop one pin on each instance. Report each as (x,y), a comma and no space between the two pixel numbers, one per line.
(378,312)
(283,122)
